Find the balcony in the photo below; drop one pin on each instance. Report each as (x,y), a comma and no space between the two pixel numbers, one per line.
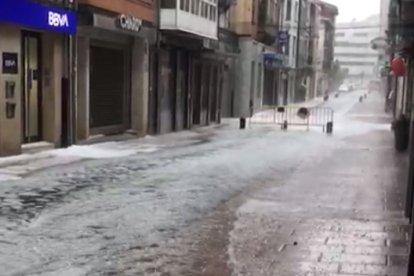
(196,17)
(267,27)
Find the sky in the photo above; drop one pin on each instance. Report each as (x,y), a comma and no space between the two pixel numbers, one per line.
(358,9)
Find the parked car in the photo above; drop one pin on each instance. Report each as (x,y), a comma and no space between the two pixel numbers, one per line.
(344,88)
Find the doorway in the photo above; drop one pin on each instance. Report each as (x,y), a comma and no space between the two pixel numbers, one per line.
(32,94)
(109,75)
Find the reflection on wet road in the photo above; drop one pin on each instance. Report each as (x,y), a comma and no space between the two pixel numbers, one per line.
(261,198)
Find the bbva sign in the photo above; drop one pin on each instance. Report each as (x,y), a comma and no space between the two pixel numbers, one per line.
(58,20)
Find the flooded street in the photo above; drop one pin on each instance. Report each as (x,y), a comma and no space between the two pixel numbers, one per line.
(218,201)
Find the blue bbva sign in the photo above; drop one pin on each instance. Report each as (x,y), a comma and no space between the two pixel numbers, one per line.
(37,16)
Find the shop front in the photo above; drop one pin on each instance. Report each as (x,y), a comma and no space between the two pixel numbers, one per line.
(34,73)
(274,85)
(113,77)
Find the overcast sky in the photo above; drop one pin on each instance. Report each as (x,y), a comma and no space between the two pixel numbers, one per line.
(358,9)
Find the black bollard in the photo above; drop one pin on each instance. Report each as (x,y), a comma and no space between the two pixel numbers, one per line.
(329,128)
(242,123)
(285,125)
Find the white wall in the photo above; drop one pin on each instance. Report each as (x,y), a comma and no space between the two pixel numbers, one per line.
(354,51)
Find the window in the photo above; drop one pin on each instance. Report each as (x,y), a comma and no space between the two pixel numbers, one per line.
(254,12)
(252,78)
(355,63)
(288,10)
(203,8)
(294,46)
(360,34)
(168,4)
(296,11)
(373,55)
(185,5)
(259,80)
(195,7)
(352,44)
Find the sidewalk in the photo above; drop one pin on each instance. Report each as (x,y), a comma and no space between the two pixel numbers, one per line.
(20,166)
(337,215)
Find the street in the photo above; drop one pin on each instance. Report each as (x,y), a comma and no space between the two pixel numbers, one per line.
(218,201)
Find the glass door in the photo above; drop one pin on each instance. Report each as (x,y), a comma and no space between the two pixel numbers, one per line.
(31,88)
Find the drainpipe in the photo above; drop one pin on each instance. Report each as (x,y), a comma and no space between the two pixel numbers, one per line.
(298,34)
(157,68)
(73,50)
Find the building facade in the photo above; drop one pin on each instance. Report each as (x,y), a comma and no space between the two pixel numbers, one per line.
(290,25)
(353,49)
(384,9)
(400,38)
(258,23)
(326,48)
(194,71)
(34,76)
(112,77)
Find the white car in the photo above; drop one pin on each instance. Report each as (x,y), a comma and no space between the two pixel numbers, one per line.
(344,88)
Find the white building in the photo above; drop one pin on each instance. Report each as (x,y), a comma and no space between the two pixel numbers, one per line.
(385,4)
(353,49)
(290,25)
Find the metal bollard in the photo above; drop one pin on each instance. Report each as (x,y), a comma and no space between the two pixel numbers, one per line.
(329,128)
(285,125)
(242,123)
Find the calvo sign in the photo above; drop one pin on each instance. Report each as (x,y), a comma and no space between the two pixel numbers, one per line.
(129,23)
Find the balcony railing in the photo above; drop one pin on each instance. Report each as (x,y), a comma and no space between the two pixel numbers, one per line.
(199,18)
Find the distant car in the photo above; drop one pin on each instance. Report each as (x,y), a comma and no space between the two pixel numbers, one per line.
(344,88)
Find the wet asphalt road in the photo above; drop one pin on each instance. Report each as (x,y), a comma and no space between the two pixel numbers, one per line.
(254,202)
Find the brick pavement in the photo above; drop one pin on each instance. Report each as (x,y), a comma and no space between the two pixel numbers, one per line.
(341,215)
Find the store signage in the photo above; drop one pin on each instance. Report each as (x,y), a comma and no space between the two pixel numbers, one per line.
(129,23)
(58,20)
(10,63)
(274,59)
(38,16)
(283,36)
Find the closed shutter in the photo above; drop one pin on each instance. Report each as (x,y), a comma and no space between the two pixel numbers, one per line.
(107,87)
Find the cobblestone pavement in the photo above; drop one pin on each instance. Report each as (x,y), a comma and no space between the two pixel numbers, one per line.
(338,215)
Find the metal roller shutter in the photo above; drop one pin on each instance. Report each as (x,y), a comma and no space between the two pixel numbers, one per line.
(107,88)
